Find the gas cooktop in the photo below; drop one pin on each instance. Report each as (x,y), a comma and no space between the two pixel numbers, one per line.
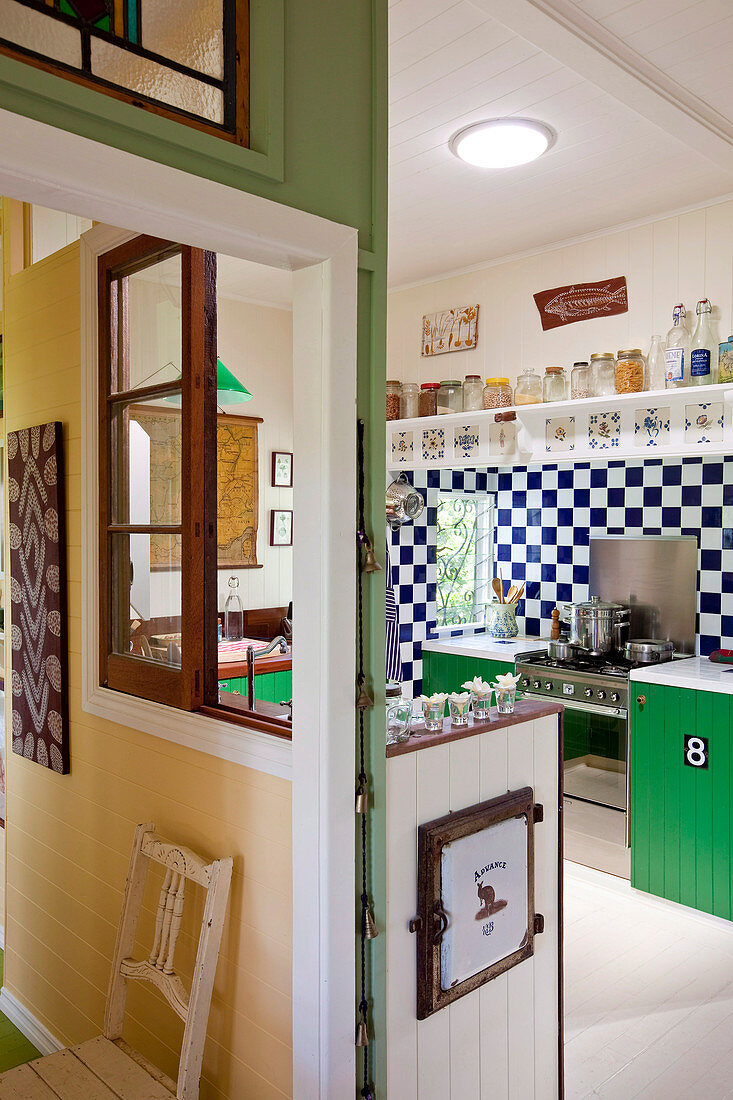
(614,664)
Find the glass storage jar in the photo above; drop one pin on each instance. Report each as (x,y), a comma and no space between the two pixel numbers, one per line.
(409,400)
(630,371)
(473,393)
(603,373)
(528,390)
(580,381)
(399,714)
(497,393)
(393,399)
(555,384)
(429,398)
(450,396)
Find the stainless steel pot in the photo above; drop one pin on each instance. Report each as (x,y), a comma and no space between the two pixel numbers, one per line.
(562,650)
(648,651)
(596,626)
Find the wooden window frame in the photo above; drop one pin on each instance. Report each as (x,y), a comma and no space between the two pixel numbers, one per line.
(183,687)
(237,131)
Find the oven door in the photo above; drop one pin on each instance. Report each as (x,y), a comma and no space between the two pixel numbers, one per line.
(596,755)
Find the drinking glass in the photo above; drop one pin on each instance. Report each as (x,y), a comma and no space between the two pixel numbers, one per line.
(505,698)
(433,715)
(459,709)
(482,708)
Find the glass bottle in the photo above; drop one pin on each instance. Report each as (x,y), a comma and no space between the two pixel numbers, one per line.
(655,376)
(677,354)
(409,400)
(703,348)
(393,399)
(603,371)
(233,614)
(450,396)
(399,714)
(580,381)
(528,390)
(555,385)
(473,393)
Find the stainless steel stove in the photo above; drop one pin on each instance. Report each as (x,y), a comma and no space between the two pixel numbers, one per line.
(595,693)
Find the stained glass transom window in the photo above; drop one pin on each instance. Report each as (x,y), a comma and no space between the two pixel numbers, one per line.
(185,58)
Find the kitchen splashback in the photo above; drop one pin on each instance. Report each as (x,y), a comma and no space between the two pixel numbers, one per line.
(545,519)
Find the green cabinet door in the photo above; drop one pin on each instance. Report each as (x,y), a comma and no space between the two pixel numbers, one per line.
(447,671)
(681,823)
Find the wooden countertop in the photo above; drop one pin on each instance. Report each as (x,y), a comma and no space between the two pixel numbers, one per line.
(274,662)
(525,710)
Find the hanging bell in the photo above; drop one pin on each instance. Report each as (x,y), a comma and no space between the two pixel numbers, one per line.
(364,700)
(371,565)
(370,929)
(362,799)
(362,1035)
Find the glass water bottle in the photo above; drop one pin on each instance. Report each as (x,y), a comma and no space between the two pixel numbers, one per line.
(233,614)
(703,348)
(677,353)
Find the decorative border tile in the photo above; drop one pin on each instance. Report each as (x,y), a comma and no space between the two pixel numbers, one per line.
(704,423)
(466,438)
(402,446)
(503,438)
(651,427)
(433,444)
(560,433)
(604,430)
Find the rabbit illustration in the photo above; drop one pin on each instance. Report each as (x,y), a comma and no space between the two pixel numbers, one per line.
(486,895)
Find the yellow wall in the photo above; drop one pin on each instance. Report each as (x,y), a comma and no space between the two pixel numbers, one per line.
(68,837)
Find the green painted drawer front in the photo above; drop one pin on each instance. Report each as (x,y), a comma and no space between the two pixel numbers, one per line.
(447,671)
(681,823)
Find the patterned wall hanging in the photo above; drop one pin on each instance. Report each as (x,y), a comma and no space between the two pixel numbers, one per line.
(450,330)
(38,595)
(564,305)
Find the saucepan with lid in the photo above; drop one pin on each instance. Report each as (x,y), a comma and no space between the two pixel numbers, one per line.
(597,626)
(648,651)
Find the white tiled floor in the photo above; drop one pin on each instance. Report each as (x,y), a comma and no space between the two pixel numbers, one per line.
(648,995)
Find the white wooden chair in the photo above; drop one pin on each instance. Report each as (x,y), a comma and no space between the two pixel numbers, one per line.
(107,1068)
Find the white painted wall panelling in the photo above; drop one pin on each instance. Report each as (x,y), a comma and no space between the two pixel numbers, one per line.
(681,258)
(500,1040)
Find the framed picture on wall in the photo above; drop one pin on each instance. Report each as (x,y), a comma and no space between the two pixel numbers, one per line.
(281,527)
(282,469)
(476,916)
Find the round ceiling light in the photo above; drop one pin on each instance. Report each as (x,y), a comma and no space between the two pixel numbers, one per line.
(502,142)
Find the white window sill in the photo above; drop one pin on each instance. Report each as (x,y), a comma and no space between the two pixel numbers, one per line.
(262,751)
(465,628)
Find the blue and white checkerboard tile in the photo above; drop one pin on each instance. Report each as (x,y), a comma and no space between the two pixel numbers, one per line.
(545,517)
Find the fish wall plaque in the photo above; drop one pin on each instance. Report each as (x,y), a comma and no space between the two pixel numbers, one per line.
(564,305)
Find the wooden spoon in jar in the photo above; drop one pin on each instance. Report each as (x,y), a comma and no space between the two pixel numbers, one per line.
(498,589)
(512,594)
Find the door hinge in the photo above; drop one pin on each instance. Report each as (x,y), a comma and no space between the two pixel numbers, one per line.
(415,924)
(539,924)
(538,812)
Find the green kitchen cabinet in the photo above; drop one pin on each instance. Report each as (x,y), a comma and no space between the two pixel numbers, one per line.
(447,671)
(681,795)
(270,687)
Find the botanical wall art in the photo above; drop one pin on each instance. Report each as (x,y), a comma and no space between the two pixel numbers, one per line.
(450,330)
(564,305)
(281,527)
(237,484)
(282,469)
(38,635)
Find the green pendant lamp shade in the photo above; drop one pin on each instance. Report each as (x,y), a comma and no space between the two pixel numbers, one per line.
(229,390)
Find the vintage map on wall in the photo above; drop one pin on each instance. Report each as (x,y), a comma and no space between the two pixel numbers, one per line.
(237,486)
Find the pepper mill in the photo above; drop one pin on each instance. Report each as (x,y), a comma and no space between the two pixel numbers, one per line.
(555,628)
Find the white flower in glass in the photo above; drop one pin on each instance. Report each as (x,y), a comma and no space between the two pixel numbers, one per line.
(460,698)
(438,697)
(479,687)
(505,681)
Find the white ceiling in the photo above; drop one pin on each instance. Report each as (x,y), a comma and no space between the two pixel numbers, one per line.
(640,95)
(245,281)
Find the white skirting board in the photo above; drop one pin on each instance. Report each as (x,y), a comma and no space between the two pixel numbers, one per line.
(2,937)
(34,1031)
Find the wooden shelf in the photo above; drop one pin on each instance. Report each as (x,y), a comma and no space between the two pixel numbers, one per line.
(595,428)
